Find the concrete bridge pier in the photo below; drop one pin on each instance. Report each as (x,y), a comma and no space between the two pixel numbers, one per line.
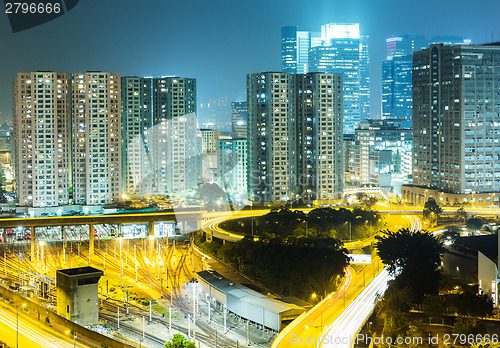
(151,228)
(91,239)
(32,243)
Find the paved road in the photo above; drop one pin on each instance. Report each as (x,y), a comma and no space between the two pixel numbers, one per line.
(31,334)
(342,332)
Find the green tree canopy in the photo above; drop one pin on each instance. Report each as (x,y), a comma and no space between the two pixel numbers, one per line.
(475,223)
(470,304)
(414,256)
(179,341)
(431,207)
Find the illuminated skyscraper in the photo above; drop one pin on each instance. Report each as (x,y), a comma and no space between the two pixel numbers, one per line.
(456,123)
(320,135)
(295,46)
(41,138)
(162,147)
(272,141)
(338,49)
(396,77)
(397,73)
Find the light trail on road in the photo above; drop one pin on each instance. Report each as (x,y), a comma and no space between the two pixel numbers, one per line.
(342,332)
(32,334)
(415,223)
(313,317)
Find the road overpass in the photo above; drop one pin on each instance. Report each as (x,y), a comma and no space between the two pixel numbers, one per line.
(188,220)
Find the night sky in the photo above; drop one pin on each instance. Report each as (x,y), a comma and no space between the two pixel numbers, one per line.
(219,41)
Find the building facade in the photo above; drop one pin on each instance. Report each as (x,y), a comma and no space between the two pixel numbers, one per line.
(239,120)
(456,115)
(137,121)
(381,155)
(295,46)
(337,49)
(320,130)
(272,154)
(397,72)
(97,154)
(294,136)
(232,167)
(175,146)
(41,138)
(209,139)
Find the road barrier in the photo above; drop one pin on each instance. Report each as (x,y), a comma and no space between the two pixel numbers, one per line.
(83,335)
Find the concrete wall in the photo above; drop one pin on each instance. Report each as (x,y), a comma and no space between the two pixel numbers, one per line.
(83,335)
(87,298)
(486,275)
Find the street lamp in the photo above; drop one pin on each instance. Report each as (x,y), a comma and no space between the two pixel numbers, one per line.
(350,231)
(17,324)
(74,337)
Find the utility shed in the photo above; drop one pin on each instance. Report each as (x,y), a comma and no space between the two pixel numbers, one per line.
(247,303)
(77,294)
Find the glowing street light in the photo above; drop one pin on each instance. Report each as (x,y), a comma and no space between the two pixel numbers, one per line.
(74,337)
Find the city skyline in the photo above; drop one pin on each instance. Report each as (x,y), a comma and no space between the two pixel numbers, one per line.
(238,48)
(223,170)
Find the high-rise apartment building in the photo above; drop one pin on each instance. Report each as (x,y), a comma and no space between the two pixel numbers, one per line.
(239,119)
(41,138)
(162,147)
(397,73)
(232,167)
(337,49)
(272,140)
(294,136)
(137,121)
(456,123)
(175,146)
(319,148)
(97,154)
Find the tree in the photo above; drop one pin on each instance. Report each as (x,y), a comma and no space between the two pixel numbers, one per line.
(371,201)
(432,210)
(360,196)
(395,325)
(470,304)
(461,213)
(433,306)
(179,341)
(414,256)
(212,194)
(475,223)
(450,235)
